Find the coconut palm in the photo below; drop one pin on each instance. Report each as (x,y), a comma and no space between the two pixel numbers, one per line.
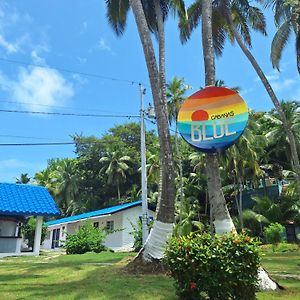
(176,96)
(277,136)
(232,19)
(66,178)
(287,20)
(44,178)
(116,167)
(222,219)
(149,17)
(24,179)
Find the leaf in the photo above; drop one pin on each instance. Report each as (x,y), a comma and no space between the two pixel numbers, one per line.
(279,42)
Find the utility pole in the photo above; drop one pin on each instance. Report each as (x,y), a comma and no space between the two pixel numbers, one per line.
(143,168)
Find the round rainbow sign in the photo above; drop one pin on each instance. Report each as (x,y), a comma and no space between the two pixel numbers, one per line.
(212,119)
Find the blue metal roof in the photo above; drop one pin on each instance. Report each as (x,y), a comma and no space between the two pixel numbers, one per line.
(96,213)
(26,200)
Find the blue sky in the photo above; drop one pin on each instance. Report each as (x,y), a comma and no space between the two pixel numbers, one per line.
(74,35)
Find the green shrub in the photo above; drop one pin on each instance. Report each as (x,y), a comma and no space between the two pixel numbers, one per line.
(28,231)
(221,268)
(86,239)
(274,234)
(137,234)
(280,248)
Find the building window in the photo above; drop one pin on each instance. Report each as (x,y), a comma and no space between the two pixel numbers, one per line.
(110,225)
(63,231)
(96,224)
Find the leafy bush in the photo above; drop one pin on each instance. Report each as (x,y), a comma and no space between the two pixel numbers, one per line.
(280,248)
(137,234)
(28,231)
(274,234)
(221,268)
(86,239)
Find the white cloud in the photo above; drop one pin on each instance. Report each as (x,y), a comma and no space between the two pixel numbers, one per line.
(103,45)
(37,85)
(81,60)
(9,47)
(36,54)
(79,79)
(285,84)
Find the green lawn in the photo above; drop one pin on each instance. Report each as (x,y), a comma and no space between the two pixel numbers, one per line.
(100,276)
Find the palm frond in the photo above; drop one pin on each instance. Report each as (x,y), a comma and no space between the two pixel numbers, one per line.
(279,42)
(117,11)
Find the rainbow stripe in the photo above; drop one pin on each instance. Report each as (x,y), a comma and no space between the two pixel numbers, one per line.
(213,119)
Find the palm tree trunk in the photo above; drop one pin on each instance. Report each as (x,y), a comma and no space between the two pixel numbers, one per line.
(265,282)
(222,219)
(241,203)
(270,91)
(118,188)
(181,195)
(163,226)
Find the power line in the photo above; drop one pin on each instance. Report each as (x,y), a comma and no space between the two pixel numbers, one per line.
(69,114)
(56,143)
(28,137)
(59,106)
(37,144)
(18,62)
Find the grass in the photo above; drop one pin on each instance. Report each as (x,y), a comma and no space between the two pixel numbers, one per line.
(100,276)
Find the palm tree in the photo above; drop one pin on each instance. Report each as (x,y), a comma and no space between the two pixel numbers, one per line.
(116,167)
(241,162)
(222,219)
(44,178)
(175,95)
(149,16)
(66,179)
(287,20)
(232,19)
(277,136)
(24,179)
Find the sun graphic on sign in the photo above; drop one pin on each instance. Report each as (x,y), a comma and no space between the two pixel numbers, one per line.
(200,115)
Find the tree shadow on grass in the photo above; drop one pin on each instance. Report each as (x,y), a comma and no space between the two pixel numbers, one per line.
(99,283)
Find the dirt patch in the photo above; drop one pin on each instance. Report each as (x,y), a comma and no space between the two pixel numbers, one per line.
(137,265)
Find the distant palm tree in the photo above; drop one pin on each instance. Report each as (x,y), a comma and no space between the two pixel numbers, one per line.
(176,96)
(66,178)
(116,167)
(24,179)
(277,137)
(45,179)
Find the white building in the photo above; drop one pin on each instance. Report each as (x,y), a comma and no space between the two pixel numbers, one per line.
(116,218)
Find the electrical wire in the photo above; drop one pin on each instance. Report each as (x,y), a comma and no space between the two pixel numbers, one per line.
(59,106)
(69,114)
(99,76)
(28,137)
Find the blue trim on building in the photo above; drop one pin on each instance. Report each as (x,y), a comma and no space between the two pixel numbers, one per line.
(96,213)
(26,200)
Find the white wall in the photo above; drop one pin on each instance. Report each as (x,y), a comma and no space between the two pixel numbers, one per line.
(132,215)
(119,240)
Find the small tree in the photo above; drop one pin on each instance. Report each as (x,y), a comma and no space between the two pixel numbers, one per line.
(137,234)
(273,234)
(87,238)
(28,231)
